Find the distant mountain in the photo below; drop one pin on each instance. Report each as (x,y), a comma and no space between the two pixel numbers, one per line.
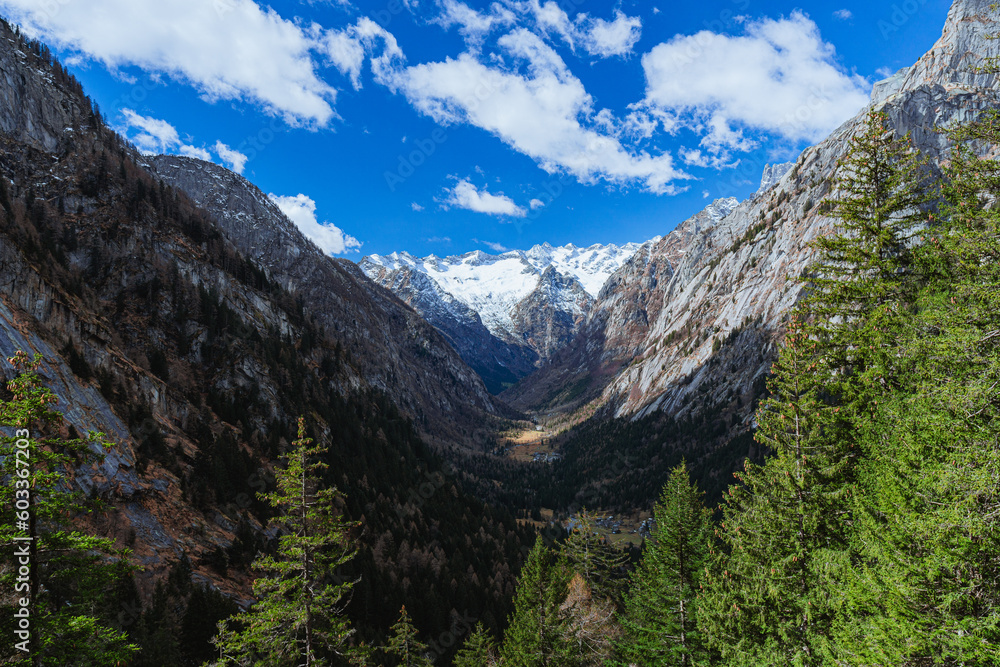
(507,313)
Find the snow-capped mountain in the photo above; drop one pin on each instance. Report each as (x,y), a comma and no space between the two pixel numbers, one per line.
(504,313)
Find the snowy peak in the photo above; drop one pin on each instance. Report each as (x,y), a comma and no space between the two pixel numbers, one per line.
(591,266)
(533,298)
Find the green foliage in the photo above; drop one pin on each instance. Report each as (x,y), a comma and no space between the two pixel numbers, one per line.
(298,616)
(539,632)
(928,519)
(771,596)
(404,644)
(479,650)
(63,573)
(595,558)
(660,621)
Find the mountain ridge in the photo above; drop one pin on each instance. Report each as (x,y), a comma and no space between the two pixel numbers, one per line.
(507,313)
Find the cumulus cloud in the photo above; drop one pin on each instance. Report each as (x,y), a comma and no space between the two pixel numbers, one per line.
(232,158)
(301,210)
(465,195)
(194,151)
(155,136)
(843,14)
(780,77)
(611,38)
(595,35)
(226,49)
(536,204)
(348,48)
(537,107)
(472,24)
(416,207)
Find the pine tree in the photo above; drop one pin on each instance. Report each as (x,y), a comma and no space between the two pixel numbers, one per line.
(479,650)
(61,573)
(660,621)
(772,596)
(403,643)
(539,633)
(298,617)
(928,524)
(864,275)
(595,558)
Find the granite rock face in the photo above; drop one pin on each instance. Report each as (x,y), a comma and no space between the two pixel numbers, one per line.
(717,283)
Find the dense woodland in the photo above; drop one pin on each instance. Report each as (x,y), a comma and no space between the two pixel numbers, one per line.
(868,536)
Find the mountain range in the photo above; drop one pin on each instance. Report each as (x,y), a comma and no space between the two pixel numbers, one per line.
(180,312)
(505,314)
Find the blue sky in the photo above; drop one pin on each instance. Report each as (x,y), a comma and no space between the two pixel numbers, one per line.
(437,126)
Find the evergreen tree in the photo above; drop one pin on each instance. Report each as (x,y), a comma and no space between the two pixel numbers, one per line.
(773,595)
(61,574)
(660,621)
(864,275)
(595,558)
(479,650)
(404,643)
(928,522)
(539,633)
(298,617)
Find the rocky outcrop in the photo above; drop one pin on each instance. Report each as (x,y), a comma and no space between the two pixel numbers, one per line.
(650,347)
(551,314)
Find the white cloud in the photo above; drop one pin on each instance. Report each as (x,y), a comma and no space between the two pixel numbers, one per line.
(705,194)
(226,49)
(595,35)
(301,210)
(473,25)
(347,49)
(194,151)
(465,195)
(232,158)
(416,207)
(542,112)
(157,136)
(699,158)
(536,204)
(495,247)
(843,14)
(439,239)
(611,38)
(780,77)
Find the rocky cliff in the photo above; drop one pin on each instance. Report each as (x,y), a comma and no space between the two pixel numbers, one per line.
(720,287)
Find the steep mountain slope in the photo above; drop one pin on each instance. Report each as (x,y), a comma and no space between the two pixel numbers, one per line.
(196,360)
(394,348)
(504,313)
(655,337)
